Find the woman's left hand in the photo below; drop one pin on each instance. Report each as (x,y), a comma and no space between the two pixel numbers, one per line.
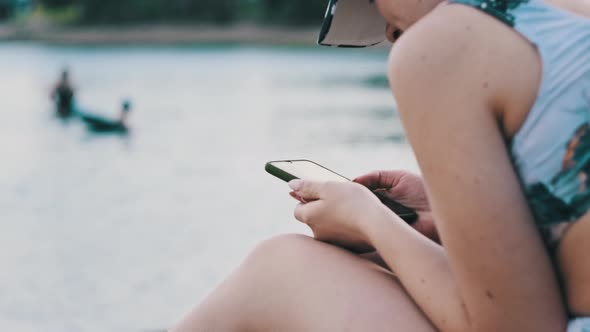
(336,212)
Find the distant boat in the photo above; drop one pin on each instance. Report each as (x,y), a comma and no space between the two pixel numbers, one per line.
(99,124)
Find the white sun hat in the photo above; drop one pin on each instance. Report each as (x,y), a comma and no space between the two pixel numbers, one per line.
(352,23)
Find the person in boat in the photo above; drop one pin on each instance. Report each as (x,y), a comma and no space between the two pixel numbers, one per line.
(490,93)
(99,124)
(63,96)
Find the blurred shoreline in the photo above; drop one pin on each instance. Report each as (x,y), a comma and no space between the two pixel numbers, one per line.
(161,34)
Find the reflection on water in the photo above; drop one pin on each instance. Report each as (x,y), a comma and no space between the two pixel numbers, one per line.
(101,233)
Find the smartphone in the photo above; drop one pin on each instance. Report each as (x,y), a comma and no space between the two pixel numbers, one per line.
(288,170)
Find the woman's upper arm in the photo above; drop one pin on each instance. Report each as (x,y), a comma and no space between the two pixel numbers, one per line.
(443,74)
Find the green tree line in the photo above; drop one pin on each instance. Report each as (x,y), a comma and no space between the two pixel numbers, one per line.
(288,12)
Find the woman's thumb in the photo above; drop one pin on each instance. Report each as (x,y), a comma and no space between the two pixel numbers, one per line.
(308,190)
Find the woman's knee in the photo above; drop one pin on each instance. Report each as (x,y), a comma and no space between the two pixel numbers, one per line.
(288,280)
(281,253)
(298,275)
(284,244)
(285,257)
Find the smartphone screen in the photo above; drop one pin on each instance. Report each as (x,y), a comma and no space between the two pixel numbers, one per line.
(288,170)
(308,170)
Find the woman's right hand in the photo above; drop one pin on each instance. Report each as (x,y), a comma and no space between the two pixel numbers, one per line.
(407,189)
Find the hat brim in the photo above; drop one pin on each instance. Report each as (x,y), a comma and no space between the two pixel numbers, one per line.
(352,23)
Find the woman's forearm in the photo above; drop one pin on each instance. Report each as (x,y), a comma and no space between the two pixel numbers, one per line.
(423,269)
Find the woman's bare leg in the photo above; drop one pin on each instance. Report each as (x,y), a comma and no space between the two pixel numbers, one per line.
(294,283)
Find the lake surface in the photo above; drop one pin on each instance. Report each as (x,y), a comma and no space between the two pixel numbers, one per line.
(104,233)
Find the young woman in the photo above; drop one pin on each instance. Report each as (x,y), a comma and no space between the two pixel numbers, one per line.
(495,98)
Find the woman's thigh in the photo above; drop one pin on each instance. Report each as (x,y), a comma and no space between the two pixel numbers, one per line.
(294,283)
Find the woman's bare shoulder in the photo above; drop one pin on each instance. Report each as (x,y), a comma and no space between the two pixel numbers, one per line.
(464,48)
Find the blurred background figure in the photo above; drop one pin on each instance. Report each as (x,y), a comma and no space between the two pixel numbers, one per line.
(63,96)
(100,124)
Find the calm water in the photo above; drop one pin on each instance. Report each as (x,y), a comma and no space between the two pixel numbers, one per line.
(101,233)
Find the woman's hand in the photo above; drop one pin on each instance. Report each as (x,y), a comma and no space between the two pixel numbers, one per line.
(336,211)
(405,188)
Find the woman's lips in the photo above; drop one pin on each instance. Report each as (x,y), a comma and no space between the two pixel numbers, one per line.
(393,33)
(396,34)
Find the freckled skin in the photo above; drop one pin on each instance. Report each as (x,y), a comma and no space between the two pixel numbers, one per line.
(490,295)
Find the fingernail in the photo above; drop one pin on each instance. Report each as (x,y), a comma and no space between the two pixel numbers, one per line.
(295,185)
